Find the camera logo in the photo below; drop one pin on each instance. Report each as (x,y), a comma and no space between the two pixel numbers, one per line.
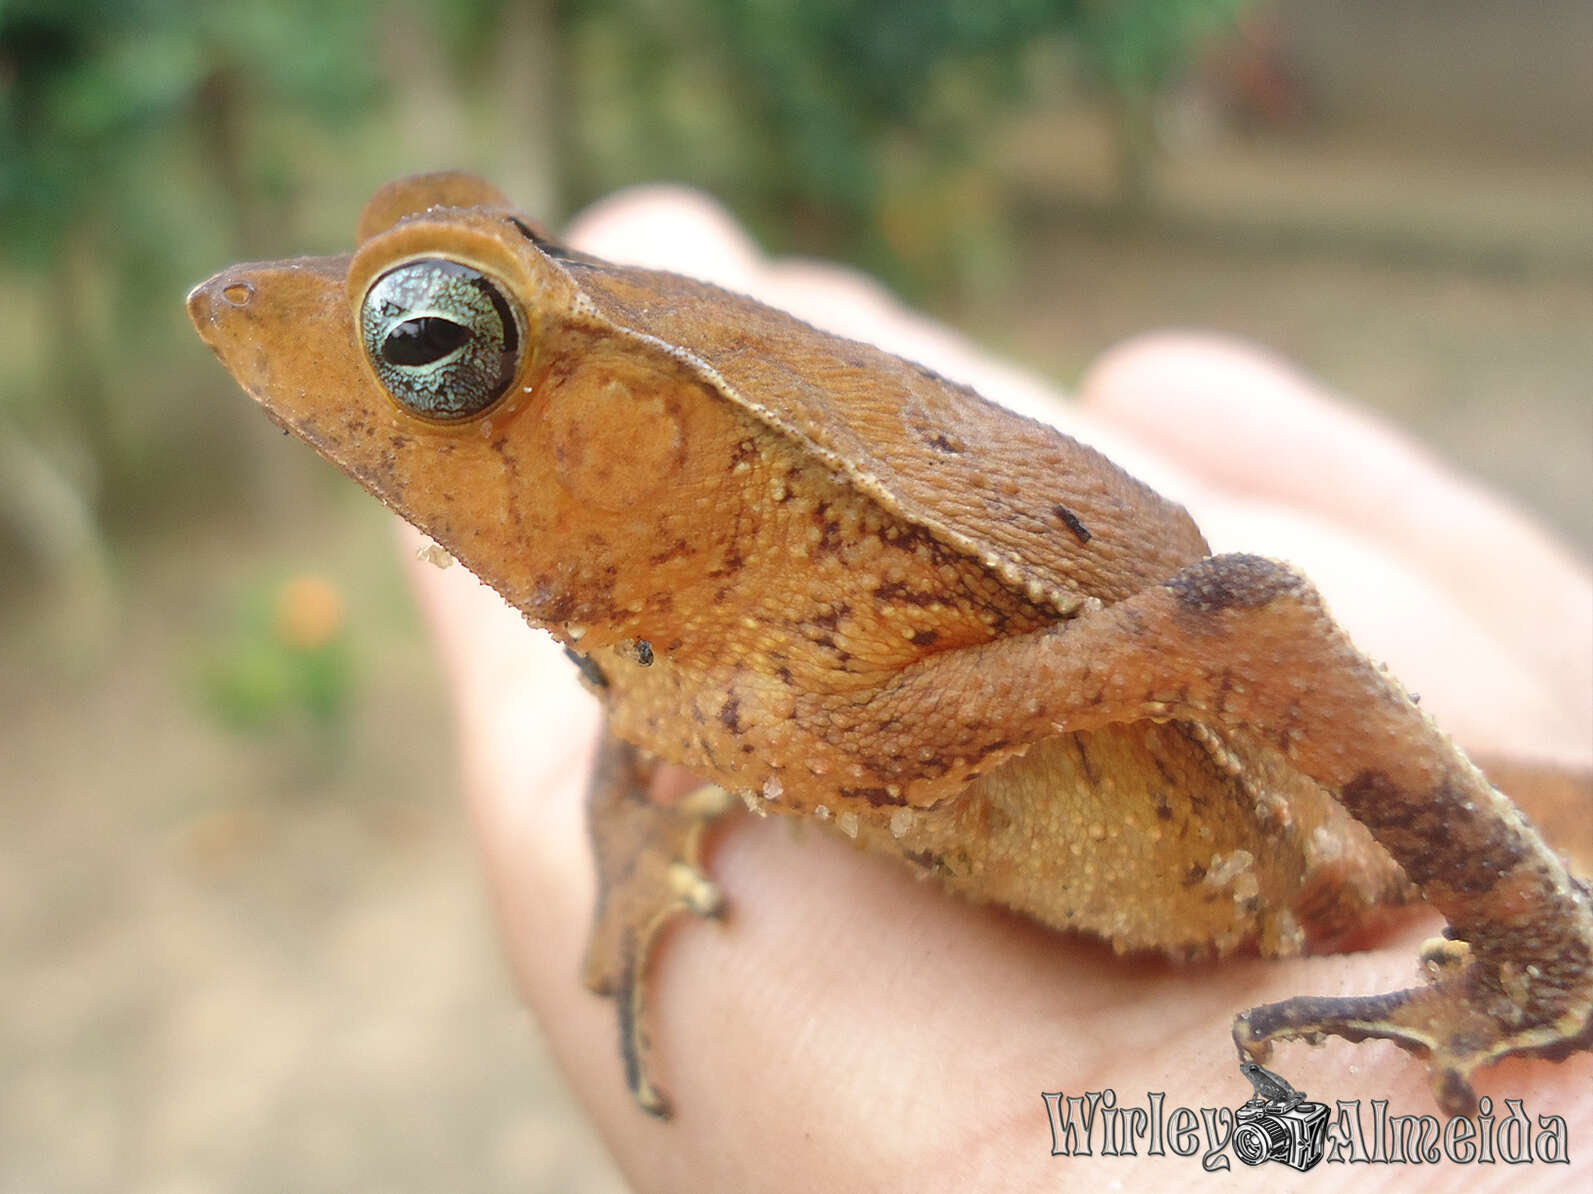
(1278,1123)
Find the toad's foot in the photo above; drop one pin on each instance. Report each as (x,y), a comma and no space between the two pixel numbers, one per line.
(649,864)
(1465,1019)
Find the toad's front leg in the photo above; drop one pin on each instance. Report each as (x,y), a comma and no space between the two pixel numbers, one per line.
(649,871)
(1242,642)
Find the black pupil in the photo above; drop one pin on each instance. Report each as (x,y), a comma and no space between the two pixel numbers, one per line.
(424,340)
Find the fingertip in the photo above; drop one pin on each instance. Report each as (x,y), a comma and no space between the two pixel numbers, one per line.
(1247,422)
(1221,404)
(1176,359)
(668,227)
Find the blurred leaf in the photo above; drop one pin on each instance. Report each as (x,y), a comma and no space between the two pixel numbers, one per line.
(284,661)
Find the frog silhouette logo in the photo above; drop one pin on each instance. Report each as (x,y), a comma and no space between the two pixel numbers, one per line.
(1278,1123)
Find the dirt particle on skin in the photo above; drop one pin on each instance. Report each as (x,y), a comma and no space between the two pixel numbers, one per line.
(1073,523)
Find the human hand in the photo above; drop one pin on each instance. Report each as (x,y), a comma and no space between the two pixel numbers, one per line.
(852,1028)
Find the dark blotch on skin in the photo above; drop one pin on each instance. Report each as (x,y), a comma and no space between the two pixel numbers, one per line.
(674,551)
(1073,523)
(877,797)
(1432,832)
(555,607)
(830,539)
(895,590)
(1232,582)
(730,714)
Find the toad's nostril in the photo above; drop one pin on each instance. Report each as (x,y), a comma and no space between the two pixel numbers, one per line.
(215,299)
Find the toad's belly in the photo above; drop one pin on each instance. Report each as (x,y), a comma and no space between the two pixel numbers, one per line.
(1144,835)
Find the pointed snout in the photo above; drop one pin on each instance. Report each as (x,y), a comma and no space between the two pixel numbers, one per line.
(268,295)
(214,304)
(281,328)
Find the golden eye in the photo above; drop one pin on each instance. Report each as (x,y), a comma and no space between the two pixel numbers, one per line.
(441,336)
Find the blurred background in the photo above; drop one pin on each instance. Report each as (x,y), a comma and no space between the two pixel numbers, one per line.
(242,942)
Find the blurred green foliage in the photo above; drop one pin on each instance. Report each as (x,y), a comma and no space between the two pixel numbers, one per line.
(144,143)
(282,663)
(856,119)
(92,88)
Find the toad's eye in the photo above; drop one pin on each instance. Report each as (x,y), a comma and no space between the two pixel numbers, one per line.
(441,336)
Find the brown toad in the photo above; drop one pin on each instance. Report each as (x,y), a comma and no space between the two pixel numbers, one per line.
(836,584)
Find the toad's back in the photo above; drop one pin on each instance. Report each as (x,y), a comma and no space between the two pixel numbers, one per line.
(1049,515)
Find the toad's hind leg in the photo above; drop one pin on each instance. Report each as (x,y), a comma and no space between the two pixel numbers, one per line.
(1242,643)
(649,870)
